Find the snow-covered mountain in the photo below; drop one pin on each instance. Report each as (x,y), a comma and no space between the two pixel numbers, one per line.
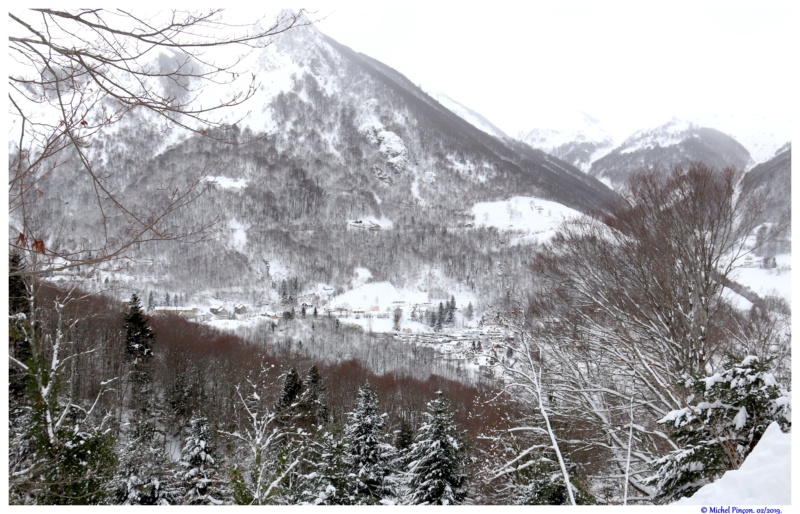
(580,139)
(464,112)
(331,137)
(664,146)
(571,135)
(762,134)
(772,180)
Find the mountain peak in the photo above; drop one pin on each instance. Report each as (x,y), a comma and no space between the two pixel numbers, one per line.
(675,142)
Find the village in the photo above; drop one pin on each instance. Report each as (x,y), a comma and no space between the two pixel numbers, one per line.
(382,312)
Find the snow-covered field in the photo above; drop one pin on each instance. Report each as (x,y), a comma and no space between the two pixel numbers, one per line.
(768,282)
(536,218)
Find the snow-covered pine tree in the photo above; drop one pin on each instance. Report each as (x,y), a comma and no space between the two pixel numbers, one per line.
(404,437)
(202,483)
(728,413)
(397,316)
(439,319)
(145,475)
(312,406)
(285,407)
(325,478)
(368,453)
(437,458)
(451,309)
(139,337)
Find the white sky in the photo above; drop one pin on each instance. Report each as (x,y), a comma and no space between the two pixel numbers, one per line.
(627,63)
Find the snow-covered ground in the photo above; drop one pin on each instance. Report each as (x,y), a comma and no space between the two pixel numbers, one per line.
(768,282)
(537,219)
(763,480)
(227,182)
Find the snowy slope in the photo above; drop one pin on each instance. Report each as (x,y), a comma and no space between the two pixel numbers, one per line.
(465,113)
(760,133)
(537,219)
(673,143)
(764,479)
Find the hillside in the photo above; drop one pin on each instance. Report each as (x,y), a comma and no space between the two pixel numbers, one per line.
(332,137)
(675,142)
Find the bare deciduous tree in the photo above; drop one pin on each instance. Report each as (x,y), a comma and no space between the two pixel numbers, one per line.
(639,294)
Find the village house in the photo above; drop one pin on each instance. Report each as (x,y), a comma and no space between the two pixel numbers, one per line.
(186,312)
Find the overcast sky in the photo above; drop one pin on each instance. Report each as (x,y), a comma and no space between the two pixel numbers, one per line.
(627,63)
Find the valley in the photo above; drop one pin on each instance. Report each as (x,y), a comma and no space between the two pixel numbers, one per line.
(318,289)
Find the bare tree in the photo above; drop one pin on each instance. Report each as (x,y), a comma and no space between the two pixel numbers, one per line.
(77,73)
(522,374)
(641,293)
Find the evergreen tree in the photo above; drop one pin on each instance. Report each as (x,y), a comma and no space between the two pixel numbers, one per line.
(290,394)
(469,313)
(145,475)
(398,315)
(139,337)
(311,405)
(151,302)
(405,436)
(437,326)
(437,458)
(284,293)
(326,479)
(368,453)
(451,309)
(732,411)
(202,484)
